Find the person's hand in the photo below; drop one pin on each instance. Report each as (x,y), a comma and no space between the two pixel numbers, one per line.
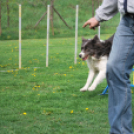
(92,23)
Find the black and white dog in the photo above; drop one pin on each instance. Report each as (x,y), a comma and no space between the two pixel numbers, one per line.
(96,53)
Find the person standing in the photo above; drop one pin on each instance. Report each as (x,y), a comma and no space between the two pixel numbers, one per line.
(120,63)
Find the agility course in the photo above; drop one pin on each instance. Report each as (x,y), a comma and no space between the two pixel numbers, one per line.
(46,100)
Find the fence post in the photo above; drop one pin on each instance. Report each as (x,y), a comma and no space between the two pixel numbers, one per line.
(76,34)
(19,36)
(48,23)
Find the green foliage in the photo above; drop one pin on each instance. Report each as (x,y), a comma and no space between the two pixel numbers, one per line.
(33,10)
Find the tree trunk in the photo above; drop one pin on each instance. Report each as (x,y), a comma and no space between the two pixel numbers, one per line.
(100,1)
(92,8)
(51,15)
(8,17)
(0,18)
(62,18)
(40,19)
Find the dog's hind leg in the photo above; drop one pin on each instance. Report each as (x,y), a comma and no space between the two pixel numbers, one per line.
(97,80)
(89,80)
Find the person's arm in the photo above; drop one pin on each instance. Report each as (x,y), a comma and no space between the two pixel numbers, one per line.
(105,12)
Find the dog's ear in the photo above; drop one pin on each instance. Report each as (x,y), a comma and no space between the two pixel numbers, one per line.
(83,38)
(96,38)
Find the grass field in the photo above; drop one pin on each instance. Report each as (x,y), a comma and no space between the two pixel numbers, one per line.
(40,100)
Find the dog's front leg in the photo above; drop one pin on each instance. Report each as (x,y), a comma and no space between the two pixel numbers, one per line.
(89,80)
(98,79)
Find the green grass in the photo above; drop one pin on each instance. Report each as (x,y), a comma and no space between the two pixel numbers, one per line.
(47,100)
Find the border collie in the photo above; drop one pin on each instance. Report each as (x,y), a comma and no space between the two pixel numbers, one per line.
(95,52)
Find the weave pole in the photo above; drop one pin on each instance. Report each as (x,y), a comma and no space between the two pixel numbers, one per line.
(76,34)
(48,23)
(19,36)
(99,32)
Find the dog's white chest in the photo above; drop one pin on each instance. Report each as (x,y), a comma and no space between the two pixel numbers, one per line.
(96,64)
(97,68)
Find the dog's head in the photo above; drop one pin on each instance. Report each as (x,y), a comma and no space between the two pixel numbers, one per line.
(89,47)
